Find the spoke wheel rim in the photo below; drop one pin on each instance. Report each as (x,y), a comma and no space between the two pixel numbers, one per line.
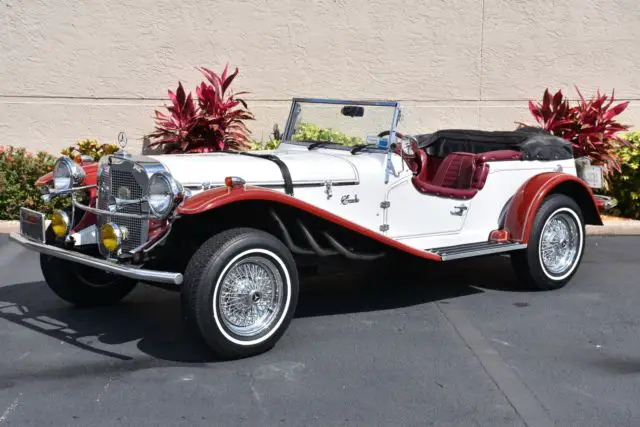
(559,244)
(251,296)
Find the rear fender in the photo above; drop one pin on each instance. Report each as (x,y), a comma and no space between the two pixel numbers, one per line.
(526,202)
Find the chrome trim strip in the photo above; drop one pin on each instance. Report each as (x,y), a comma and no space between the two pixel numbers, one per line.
(54,193)
(201,186)
(370,103)
(97,211)
(608,201)
(80,258)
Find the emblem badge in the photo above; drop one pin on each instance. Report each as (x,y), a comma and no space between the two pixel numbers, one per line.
(122,140)
(345,200)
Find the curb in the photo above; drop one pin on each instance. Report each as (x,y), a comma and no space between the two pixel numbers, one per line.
(9,226)
(610,228)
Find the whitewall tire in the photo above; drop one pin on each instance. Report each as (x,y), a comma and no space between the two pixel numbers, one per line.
(240,292)
(556,245)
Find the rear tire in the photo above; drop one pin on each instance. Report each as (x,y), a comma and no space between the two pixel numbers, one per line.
(240,292)
(556,245)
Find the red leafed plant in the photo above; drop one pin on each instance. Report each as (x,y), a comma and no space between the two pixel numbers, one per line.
(590,125)
(214,123)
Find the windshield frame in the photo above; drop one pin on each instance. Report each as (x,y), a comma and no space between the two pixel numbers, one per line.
(286,138)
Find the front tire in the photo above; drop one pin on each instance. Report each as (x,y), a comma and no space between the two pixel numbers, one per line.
(240,292)
(83,286)
(556,245)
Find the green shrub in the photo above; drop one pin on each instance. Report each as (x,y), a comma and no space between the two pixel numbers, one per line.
(311,132)
(625,185)
(270,144)
(19,170)
(307,132)
(91,148)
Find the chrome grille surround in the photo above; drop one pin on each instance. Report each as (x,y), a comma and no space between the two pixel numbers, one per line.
(122,188)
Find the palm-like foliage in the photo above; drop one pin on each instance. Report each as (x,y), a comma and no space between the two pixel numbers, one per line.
(214,123)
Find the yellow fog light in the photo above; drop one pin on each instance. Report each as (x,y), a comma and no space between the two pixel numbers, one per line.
(112,236)
(60,223)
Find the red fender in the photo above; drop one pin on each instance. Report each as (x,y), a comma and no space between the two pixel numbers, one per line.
(221,196)
(91,178)
(525,203)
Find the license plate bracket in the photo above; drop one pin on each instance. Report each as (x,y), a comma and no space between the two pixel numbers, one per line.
(593,176)
(32,224)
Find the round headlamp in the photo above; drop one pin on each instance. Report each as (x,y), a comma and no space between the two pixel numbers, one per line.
(163,193)
(112,236)
(66,174)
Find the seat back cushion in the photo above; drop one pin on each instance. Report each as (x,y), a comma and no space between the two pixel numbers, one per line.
(456,171)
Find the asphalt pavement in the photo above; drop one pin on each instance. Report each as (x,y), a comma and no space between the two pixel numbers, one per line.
(456,345)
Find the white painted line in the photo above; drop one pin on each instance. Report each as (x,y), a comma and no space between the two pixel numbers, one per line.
(10,409)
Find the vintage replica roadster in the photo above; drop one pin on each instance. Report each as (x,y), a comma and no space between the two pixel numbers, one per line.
(231,229)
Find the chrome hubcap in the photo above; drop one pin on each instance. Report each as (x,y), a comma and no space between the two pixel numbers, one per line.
(559,244)
(250,296)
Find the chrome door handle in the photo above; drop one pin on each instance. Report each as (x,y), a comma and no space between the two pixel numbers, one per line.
(459,210)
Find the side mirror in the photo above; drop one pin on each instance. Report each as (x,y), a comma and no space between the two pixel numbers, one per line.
(352,111)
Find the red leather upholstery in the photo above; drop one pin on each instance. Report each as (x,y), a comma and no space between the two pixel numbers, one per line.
(455,171)
(498,156)
(480,176)
(459,175)
(424,162)
(454,193)
(453,179)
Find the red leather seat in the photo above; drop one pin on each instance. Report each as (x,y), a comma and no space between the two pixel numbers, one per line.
(456,171)
(460,175)
(454,177)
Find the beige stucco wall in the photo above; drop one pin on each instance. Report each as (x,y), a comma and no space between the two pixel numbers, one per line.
(71,70)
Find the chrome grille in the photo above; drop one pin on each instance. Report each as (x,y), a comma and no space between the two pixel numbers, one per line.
(121,181)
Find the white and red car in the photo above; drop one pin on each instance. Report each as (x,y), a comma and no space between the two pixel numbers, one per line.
(230,230)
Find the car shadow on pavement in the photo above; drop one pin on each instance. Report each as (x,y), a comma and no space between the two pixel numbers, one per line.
(151,317)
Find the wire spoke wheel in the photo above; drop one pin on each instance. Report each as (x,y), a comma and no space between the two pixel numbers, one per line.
(559,243)
(251,296)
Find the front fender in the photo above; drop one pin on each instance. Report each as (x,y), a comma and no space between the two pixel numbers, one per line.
(217,197)
(91,178)
(524,205)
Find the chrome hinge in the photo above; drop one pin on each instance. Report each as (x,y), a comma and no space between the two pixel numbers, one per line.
(327,189)
(385,205)
(384,227)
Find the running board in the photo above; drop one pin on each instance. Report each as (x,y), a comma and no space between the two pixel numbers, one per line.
(476,249)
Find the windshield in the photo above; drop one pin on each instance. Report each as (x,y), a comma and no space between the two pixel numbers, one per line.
(341,123)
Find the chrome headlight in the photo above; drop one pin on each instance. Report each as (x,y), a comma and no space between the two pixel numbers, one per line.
(66,174)
(164,191)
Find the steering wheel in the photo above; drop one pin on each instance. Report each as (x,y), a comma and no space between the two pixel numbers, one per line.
(409,158)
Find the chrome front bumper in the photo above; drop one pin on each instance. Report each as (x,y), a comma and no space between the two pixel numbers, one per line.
(101,264)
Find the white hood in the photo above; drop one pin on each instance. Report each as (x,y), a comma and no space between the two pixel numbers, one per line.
(306,167)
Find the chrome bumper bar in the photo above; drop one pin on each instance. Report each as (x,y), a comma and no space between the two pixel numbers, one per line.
(101,264)
(606,202)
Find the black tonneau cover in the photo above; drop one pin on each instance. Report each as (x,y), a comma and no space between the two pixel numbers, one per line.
(533,143)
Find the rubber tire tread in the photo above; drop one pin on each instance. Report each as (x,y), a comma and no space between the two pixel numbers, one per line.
(195,308)
(59,276)
(526,263)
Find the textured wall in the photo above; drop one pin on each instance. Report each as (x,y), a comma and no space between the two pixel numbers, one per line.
(71,70)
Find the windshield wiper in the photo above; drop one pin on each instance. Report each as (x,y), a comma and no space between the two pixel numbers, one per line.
(319,144)
(360,147)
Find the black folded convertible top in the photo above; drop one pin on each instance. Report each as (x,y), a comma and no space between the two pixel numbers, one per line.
(533,143)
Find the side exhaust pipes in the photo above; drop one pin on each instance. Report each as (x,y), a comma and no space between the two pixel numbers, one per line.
(316,249)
